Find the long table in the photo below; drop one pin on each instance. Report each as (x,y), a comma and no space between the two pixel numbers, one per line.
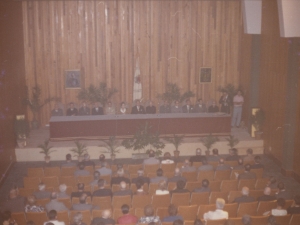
(92,127)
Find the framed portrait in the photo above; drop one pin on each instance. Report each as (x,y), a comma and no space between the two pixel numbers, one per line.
(72,79)
(205,75)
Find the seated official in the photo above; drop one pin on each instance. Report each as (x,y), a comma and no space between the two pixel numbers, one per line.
(215,157)
(187,108)
(97,110)
(225,103)
(200,107)
(87,160)
(138,108)
(84,110)
(150,109)
(213,108)
(123,109)
(72,111)
(204,187)
(57,111)
(233,155)
(165,108)
(110,109)
(176,108)
(219,213)
(172,210)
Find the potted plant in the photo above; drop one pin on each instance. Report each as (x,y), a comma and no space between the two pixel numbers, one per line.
(144,139)
(208,142)
(111,147)
(173,93)
(21,130)
(257,120)
(232,141)
(176,140)
(79,150)
(46,150)
(35,104)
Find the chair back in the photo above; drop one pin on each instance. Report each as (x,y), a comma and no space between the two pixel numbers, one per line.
(35,172)
(199,198)
(180,199)
(168,167)
(160,201)
(229,185)
(140,201)
(31,182)
(214,195)
(209,175)
(222,175)
(190,176)
(52,171)
(250,183)
(67,171)
(118,201)
(248,208)
(37,217)
(103,202)
(188,212)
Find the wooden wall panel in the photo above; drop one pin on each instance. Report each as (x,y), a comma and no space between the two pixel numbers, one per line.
(297,139)
(170,40)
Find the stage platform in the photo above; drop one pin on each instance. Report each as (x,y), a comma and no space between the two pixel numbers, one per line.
(32,153)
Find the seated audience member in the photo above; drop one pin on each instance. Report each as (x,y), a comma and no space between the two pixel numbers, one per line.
(240,165)
(141,177)
(120,177)
(14,203)
(267,196)
(94,183)
(213,108)
(104,170)
(42,193)
(31,205)
(198,222)
(149,216)
(101,158)
(246,220)
(204,187)
(54,204)
(57,111)
(165,108)
(215,157)
(272,183)
(81,171)
(140,188)
(198,157)
(138,108)
(68,162)
(83,205)
(249,156)
(167,159)
(257,163)
(78,193)
(282,192)
(110,109)
(72,111)
(187,108)
(295,207)
(233,155)
(162,188)
(272,220)
(87,161)
(151,160)
(150,109)
(52,215)
(187,167)
(127,218)
(159,177)
(102,191)
(245,196)
(62,191)
(279,211)
(222,166)
(84,110)
(200,107)
(77,219)
(219,213)
(205,166)
(247,174)
(180,187)
(172,210)
(105,218)
(123,190)
(177,176)
(123,109)
(6,218)
(176,108)
(97,110)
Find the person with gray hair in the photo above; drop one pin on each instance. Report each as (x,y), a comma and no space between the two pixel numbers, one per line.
(120,177)
(219,213)
(246,220)
(187,167)
(42,193)
(87,161)
(104,170)
(62,192)
(77,219)
(140,177)
(123,190)
(94,183)
(104,219)
(54,204)
(245,196)
(177,176)
(267,195)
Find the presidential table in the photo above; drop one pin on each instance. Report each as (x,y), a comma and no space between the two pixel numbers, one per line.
(92,127)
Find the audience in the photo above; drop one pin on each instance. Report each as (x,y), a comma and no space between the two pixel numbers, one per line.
(83,205)
(68,162)
(6,219)
(267,195)
(140,188)
(282,192)
(240,165)
(77,219)
(31,205)
(102,191)
(177,176)
(167,159)
(141,177)
(205,166)
(245,196)
(257,163)
(247,174)
(62,191)
(204,187)
(81,171)
(149,216)
(120,177)
(187,167)
(126,218)
(272,220)
(215,157)
(180,187)
(219,213)
(94,183)
(77,194)
(198,222)
(233,155)
(123,190)
(42,193)
(249,156)
(151,160)
(279,211)
(162,188)
(172,210)
(246,220)
(104,170)
(54,204)
(105,218)
(159,177)
(87,161)
(295,207)
(222,166)
(198,157)
(15,203)
(52,215)
(272,183)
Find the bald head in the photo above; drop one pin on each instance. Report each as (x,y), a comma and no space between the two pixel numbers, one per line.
(106,214)
(245,191)
(13,193)
(123,185)
(221,161)
(267,191)
(186,162)
(177,171)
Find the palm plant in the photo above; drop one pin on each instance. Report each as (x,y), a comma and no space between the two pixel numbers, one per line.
(111,146)
(79,150)
(232,141)
(176,140)
(46,149)
(173,94)
(209,141)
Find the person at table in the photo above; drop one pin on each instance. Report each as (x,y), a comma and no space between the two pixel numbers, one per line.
(213,108)
(97,110)
(187,108)
(225,103)
(150,109)
(200,107)
(123,109)
(165,108)
(110,109)
(72,111)
(176,108)
(57,111)
(138,108)
(84,110)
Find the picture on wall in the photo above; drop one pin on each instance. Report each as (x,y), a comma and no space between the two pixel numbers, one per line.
(205,75)
(72,79)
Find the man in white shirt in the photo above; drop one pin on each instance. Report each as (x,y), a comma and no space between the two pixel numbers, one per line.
(167,159)
(218,213)
(238,101)
(52,215)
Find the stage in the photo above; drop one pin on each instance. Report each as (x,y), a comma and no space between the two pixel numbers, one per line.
(31,152)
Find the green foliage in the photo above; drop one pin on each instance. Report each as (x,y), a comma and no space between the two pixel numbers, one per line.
(230,89)
(176,140)
(158,152)
(258,119)
(111,145)
(21,128)
(46,148)
(97,94)
(209,141)
(232,141)
(143,138)
(80,149)
(173,94)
